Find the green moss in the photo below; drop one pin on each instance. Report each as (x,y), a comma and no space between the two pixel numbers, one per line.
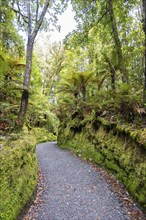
(19,169)
(111,165)
(18,177)
(133,183)
(120,148)
(98,157)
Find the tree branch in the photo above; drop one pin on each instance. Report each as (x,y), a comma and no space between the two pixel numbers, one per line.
(29,19)
(37,11)
(39,23)
(24,17)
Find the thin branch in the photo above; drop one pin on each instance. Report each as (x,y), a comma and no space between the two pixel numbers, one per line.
(37,10)
(18,6)
(24,17)
(29,19)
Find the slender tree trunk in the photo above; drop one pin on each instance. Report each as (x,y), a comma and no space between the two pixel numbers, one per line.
(117,42)
(113,73)
(30,43)
(144,28)
(26,83)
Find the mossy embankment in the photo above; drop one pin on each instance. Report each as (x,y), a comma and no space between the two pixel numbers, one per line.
(121,148)
(19,170)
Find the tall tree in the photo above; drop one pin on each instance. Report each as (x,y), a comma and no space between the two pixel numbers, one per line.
(117,42)
(33,17)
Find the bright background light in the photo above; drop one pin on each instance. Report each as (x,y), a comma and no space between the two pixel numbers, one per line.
(67,23)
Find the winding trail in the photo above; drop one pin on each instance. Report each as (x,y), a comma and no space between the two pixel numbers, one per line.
(74,189)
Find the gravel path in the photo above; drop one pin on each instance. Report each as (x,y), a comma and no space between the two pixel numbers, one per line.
(74,189)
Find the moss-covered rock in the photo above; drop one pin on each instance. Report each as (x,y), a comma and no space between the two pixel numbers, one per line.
(19,169)
(119,148)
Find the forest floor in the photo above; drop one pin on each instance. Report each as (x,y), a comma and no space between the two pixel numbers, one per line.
(72,189)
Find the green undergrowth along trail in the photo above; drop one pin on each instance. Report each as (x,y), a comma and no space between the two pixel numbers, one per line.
(119,148)
(42,135)
(19,169)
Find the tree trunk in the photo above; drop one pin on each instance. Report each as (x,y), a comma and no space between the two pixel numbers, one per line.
(30,42)
(144,28)
(113,73)
(117,42)
(26,83)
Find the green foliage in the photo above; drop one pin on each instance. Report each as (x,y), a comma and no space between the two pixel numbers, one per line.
(10,89)
(10,40)
(39,110)
(75,85)
(42,135)
(40,113)
(88,48)
(12,66)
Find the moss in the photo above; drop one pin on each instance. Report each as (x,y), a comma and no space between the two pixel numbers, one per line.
(18,169)
(18,177)
(111,165)
(120,148)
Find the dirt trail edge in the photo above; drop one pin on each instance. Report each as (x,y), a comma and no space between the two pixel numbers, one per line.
(74,189)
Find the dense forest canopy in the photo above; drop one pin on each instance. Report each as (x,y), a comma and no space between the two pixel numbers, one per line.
(101,66)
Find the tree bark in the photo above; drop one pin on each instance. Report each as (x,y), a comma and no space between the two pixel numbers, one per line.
(117,42)
(144,29)
(30,43)
(112,71)
(26,83)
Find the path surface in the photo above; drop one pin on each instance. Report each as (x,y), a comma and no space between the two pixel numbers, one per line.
(75,190)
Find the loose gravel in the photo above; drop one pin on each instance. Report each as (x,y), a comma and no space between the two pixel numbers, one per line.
(74,189)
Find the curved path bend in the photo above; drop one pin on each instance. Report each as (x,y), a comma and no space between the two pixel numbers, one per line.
(74,189)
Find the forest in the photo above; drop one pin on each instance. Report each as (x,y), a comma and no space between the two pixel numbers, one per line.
(88,93)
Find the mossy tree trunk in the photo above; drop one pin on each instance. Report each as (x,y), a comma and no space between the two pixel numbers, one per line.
(144,28)
(117,42)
